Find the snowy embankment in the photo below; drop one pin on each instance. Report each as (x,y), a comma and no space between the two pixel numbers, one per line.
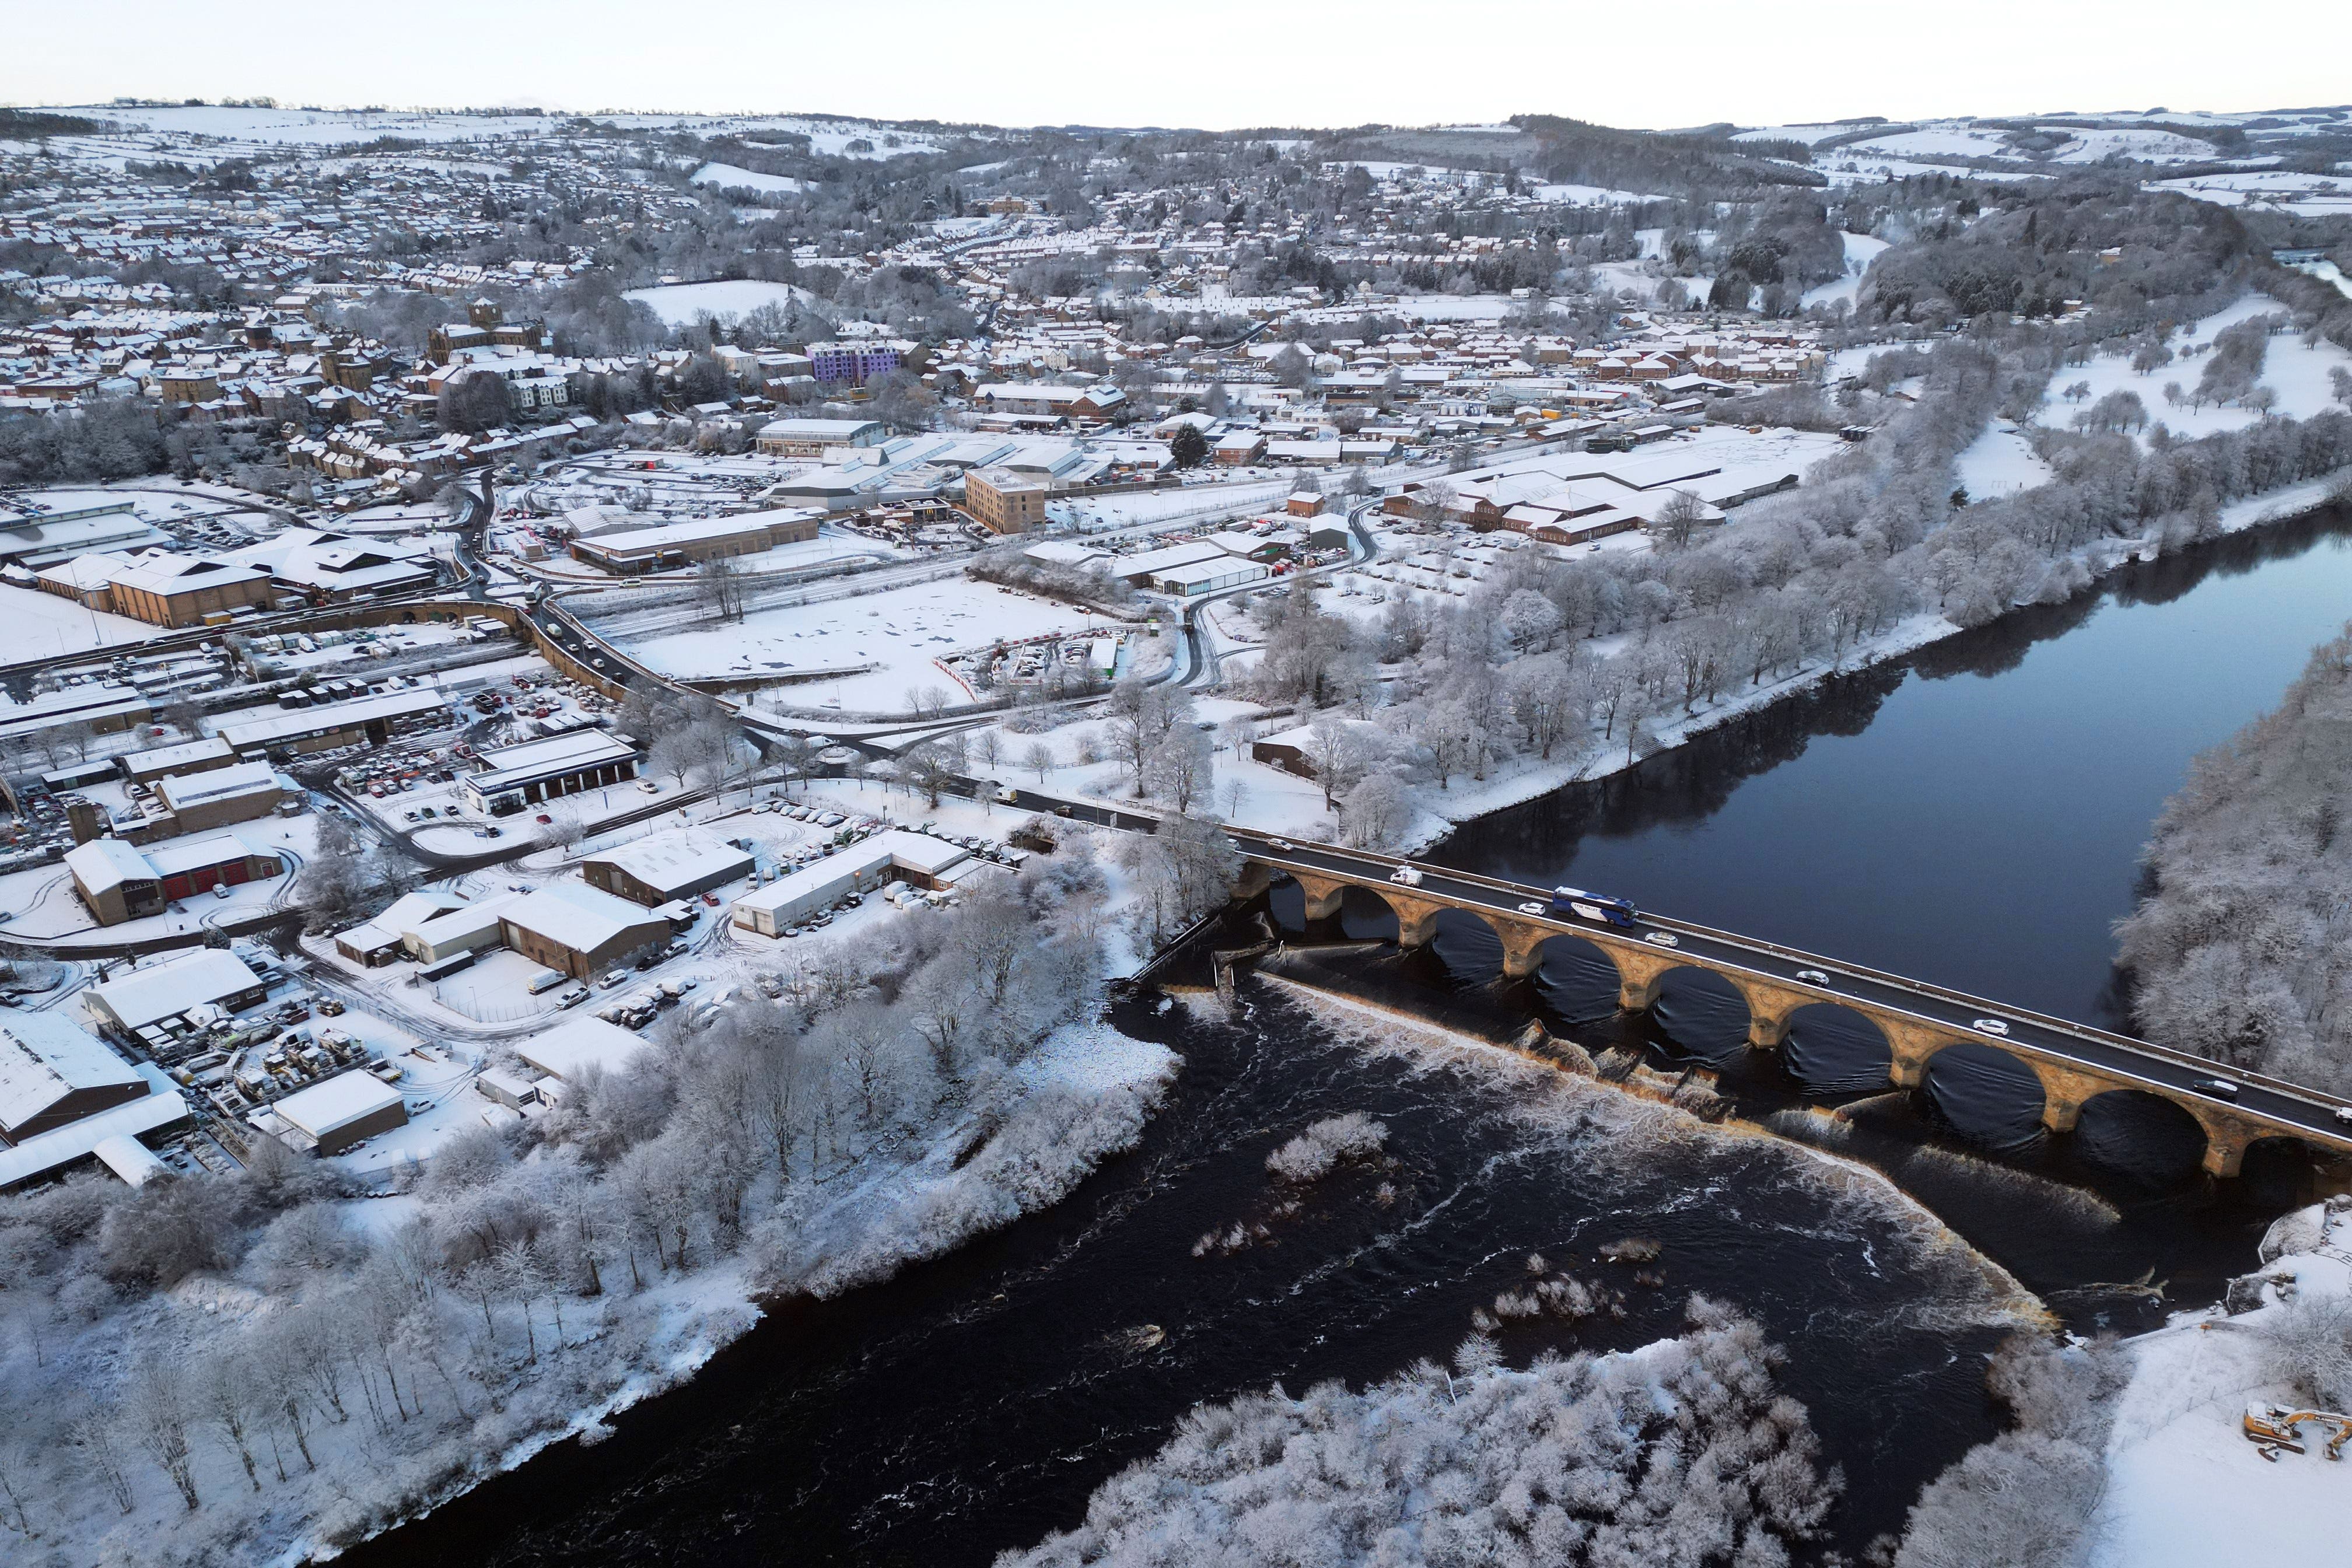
(2185,1487)
(1080,1097)
(1083,1097)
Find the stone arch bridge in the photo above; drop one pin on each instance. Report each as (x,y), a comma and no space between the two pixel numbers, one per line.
(2074,1063)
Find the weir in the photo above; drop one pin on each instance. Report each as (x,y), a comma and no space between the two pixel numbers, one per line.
(2075,1064)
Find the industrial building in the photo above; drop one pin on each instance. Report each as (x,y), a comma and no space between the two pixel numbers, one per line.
(665,867)
(865,866)
(329,1118)
(187,590)
(153,995)
(579,930)
(812,437)
(636,550)
(512,777)
(119,882)
(1198,578)
(223,795)
(53,1071)
(383,939)
(361,722)
(183,757)
(566,1052)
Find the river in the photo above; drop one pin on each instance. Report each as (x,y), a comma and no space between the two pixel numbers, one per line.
(1972,816)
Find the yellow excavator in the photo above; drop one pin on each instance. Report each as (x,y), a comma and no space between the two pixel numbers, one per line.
(2271,1427)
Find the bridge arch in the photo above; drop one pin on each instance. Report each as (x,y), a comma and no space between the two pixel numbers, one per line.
(2140,1133)
(1985,1094)
(1577,981)
(1700,1011)
(1831,1048)
(1468,945)
(1365,915)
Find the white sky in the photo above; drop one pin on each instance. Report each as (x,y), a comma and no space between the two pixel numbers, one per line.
(1214,64)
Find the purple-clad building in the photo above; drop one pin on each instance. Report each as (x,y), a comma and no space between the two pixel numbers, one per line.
(856,362)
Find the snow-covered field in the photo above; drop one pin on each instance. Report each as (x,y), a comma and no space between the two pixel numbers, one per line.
(2000,462)
(1860,250)
(2306,196)
(884,644)
(2297,374)
(729,177)
(1589,195)
(2186,1490)
(679,304)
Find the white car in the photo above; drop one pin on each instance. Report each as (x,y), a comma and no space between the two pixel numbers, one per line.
(1285,845)
(2344,1114)
(1664,939)
(1812,977)
(1534,907)
(1408,875)
(2219,1087)
(1990,1027)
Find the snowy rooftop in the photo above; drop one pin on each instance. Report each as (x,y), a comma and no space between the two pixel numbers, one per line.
(677,860)
(164,990)
(567,1052)
(576,916)
(43,1058)
(338,1102)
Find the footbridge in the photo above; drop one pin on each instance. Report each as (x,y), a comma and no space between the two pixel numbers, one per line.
(2075,1063)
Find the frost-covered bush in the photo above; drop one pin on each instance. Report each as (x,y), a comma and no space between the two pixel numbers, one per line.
(2236,953)
(2025,1498)
(1324,1147)
(1682,1452)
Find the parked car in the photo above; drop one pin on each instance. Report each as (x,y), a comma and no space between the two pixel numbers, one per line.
(617,977)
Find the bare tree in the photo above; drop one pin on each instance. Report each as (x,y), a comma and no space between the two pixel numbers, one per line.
(155,1406)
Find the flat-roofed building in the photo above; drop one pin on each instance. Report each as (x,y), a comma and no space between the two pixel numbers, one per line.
(568,1051)
(140,998)
(666,867)
(119,882)
(812,437)
(185,757)
(633,552)
(863,867)
(361,722)
(187,590)
(579,930)
(222,795)
(53,1071)
(1004,501)
(1206,576)
(512,777)
(329,1118)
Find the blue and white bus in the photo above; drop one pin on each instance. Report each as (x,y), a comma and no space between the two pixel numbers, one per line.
(1592,906)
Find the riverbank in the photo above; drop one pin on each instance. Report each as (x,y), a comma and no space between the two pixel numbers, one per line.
(1442,811)
(2185,1489)
(1089,1089)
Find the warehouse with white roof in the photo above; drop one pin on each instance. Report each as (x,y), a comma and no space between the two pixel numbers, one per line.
(666,867)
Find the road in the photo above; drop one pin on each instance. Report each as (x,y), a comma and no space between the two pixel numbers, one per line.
(2172,1073)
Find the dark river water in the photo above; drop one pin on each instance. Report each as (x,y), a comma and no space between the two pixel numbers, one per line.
(1972,816)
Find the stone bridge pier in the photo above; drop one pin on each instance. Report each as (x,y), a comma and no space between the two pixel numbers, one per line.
(1913,1041)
